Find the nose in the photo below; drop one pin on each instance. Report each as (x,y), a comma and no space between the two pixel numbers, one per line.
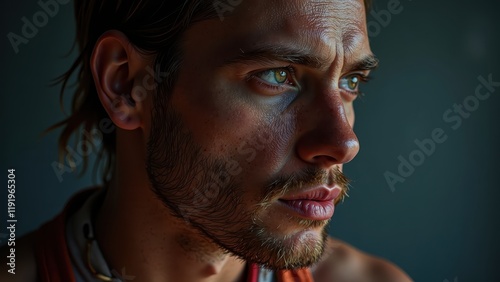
(327,137)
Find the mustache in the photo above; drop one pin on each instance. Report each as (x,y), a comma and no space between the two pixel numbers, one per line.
(311,176)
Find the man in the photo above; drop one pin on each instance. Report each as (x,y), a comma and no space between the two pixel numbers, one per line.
(232,122)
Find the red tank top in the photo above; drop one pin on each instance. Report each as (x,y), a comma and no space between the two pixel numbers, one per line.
(54,262)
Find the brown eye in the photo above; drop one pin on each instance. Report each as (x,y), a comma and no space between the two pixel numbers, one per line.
(280,76)
(275,76)
(353,82)
(350,83)
(275,81)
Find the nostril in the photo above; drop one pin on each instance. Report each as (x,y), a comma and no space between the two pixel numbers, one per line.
(327,148)
(325,160)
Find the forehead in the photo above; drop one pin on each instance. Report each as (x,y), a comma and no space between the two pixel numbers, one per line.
(330,30)
(332,16)
(306,23)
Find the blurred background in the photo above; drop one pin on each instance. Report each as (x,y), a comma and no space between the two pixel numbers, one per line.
(431,211)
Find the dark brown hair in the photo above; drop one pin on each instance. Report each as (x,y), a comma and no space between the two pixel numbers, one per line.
(154,27)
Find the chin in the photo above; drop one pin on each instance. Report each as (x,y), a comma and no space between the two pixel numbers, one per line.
(297,250)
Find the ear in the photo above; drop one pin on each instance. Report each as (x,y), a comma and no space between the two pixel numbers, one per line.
(116,64)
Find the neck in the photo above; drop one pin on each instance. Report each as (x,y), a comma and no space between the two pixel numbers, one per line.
(138,235)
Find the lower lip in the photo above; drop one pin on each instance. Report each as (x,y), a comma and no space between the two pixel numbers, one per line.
(310,209)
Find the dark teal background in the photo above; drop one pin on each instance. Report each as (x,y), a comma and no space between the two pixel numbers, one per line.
(440,223)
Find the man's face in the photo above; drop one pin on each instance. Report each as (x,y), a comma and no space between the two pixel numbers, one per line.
(249,145)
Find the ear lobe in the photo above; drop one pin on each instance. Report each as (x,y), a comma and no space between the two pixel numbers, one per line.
(114,78)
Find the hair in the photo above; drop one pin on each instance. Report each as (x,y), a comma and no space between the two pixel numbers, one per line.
(154,27)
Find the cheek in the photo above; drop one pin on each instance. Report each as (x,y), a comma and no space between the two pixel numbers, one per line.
(212,116)
(349,110)
(255,139)
(272,145)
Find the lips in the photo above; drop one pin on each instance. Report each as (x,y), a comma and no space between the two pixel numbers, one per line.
(316,204)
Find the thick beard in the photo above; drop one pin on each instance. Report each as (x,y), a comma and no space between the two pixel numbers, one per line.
(199,190)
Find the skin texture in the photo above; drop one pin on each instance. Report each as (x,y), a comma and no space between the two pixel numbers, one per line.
(225,117)
(305,124)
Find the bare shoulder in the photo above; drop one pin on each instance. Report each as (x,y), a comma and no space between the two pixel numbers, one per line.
(24,264)
(342,262)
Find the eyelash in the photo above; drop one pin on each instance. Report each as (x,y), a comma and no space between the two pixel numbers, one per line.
(281,87)
(363,79)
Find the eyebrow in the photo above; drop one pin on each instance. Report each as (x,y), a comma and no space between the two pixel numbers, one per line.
(271,54)
(369,62)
